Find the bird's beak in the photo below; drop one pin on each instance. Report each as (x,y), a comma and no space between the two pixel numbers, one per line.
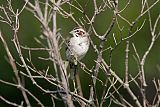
(71,32)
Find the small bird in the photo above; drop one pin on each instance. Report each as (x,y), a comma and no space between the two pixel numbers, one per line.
(77,48)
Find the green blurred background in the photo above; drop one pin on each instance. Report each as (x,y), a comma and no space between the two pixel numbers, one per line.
(30,28)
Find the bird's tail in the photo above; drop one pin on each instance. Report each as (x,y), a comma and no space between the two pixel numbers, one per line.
(74,70)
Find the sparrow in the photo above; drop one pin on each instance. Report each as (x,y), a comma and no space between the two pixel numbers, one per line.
(77,47)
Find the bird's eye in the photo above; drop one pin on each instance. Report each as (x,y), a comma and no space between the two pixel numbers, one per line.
(77,31)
